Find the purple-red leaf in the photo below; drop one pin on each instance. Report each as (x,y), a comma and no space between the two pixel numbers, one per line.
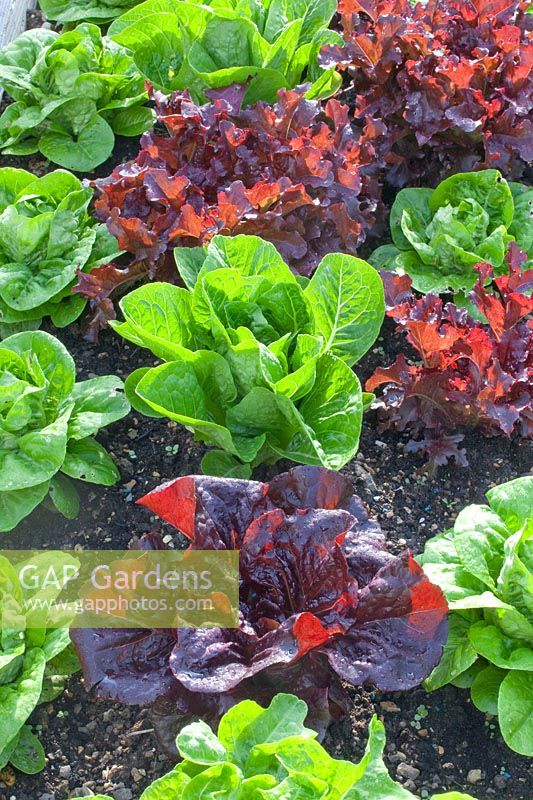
(293,173)
(321,600)
(444,85)
(472,373)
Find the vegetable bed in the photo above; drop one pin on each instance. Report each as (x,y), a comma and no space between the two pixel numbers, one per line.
(416,466)
(455,738)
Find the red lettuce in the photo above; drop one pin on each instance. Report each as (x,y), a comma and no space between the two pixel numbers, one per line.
(441,85)
(292,173)
(473,374)
(321,600)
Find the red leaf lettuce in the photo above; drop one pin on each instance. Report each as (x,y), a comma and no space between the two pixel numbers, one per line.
(441,85)
(321,600)
(292,173)
(473,374)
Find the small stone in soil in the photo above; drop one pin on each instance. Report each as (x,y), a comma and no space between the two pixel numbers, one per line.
(388,705)
(474,776)
(123,794)
(407,771)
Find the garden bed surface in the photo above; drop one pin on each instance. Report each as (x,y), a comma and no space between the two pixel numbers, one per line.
(436,742)
(106,746)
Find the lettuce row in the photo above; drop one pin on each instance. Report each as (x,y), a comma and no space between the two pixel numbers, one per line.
(258,361)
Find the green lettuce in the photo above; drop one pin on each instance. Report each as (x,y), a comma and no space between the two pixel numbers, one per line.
(47,427)
(258,364)
(438,235)
(73,92)
(46,236)
(35,662)
(484,565)
(268,754)
(273,44)
(98,11)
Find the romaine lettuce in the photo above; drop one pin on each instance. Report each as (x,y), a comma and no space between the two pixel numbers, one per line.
(274,44)
(257,364)
(47,427)
(484,565)
(46,236)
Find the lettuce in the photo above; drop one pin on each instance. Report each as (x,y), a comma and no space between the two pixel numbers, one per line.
(35,662)
(439,86)
(321,601)
(468,373)
(47,424)
(46,237)
(98,11)
(484,565)
(273,44)
(257,364)
(223,169)
(268,754)
(440,235)
(73,92)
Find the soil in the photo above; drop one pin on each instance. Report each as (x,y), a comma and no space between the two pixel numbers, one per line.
(435,742)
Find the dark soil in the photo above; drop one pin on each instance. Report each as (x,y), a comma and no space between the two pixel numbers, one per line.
(436,742)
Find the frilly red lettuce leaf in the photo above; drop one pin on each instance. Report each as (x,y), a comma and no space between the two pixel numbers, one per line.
(293,173)
(443,85)
(473,374)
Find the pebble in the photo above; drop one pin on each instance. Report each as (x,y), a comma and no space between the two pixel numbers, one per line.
(138,774)
(65,771)
(474,776)
(387,705)
(396,757)
(123,794)
(47,796)
(407,771)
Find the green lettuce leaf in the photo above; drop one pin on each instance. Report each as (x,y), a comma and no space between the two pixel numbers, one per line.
(490,641)
(439,235)
(274,45)
(258,365)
